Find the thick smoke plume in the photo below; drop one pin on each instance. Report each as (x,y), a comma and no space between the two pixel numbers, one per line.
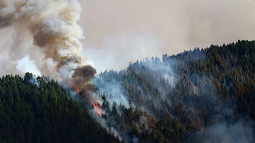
(46,41)
(47,33)
(82,77)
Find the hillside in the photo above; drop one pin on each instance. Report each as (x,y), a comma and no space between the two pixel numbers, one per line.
(35,111)
(201,95)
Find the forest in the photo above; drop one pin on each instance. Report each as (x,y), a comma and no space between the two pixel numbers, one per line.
(34,110)
(200,95)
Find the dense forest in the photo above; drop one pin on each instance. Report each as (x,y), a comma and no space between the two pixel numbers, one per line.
(35,110)
(201,95)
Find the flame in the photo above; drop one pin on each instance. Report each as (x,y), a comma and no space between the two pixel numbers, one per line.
(72,87)
(77,90)
(96,107)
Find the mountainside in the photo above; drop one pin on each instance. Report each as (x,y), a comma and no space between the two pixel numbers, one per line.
(201,95)
(205,95)
(37,110)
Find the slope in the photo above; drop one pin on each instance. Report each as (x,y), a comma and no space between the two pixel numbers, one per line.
(201,95)
(41,112)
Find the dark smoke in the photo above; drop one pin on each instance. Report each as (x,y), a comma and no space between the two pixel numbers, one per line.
(82,77)
(47,34)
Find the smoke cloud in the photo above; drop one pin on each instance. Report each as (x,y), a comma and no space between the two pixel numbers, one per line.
(47,33)
(43,37)
(26,65)
(82,77)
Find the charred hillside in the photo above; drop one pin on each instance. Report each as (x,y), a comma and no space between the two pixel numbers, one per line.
(201,95)
(38,110)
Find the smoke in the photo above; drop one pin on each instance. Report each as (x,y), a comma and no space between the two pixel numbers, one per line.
(135,139)
(43,36)
(46,41)
(45,32)
(227,129)
(156,66)
(111,89)
(26,65)
(159,76)
(82,79)
(222,123)
(239,132)
(155,86)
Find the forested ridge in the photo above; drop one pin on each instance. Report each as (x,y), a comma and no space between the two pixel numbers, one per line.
(38,110)
(201,95)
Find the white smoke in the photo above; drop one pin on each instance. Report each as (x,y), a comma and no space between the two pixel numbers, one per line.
(239,132)
(44,32)
(112,90)
(25,64)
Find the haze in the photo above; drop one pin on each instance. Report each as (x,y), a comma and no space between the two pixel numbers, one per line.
(118,32)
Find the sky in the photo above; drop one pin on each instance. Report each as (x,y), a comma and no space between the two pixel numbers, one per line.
(119,31)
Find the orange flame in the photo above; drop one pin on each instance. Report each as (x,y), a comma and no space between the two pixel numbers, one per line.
(96,107)
(77,90)
(72,87)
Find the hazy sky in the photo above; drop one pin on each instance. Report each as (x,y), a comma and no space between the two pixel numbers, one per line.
(121,31)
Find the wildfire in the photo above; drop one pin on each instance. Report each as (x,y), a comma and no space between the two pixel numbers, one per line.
(72,87)
(77,90)
(96,106)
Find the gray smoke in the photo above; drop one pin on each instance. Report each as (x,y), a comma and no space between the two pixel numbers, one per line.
(82,79)
(238,132)
(44,34)
(112,89)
